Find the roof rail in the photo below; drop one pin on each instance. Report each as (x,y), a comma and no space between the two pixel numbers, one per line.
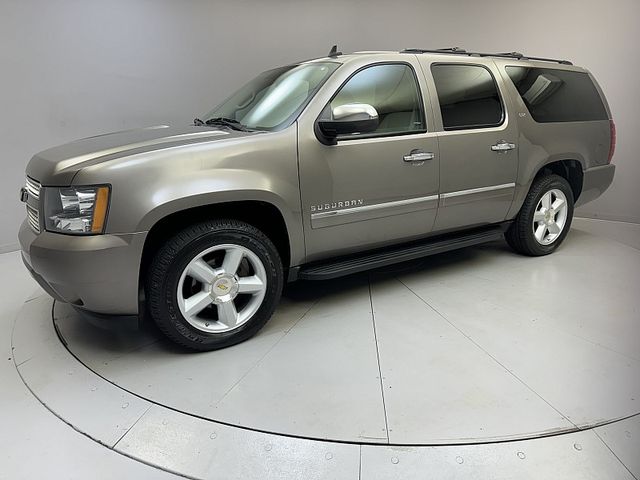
(462,51)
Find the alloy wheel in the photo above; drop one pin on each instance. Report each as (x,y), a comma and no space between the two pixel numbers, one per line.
(550,217)
(221,288)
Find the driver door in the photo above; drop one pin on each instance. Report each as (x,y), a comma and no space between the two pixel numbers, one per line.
(371,189)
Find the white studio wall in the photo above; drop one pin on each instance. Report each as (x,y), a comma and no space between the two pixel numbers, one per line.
(73,68)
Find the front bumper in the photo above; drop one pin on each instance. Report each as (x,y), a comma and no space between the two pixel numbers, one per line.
(594,182)
(96,273)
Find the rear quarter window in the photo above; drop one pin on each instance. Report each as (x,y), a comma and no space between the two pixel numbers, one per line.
(553,95)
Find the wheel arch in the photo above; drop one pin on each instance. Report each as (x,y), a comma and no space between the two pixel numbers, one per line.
(569,167)
(264,215)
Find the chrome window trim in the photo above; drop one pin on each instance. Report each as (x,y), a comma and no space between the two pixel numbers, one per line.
(471,191)
(375,206)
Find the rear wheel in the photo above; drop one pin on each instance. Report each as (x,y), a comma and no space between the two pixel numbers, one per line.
(544,219)
(214,284)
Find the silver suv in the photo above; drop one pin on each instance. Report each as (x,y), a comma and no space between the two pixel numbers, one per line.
(311,171)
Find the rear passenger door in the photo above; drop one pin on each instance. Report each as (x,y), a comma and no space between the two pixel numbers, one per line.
(477,141)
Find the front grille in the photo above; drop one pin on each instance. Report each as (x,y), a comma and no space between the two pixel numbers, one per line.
(33,187)
(34,219)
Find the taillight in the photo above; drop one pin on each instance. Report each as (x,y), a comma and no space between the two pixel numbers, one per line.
(612,145)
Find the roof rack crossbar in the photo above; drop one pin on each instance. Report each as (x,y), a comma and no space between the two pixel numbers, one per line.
(461,51)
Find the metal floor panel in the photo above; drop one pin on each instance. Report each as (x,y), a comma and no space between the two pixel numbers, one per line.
(75,394)
(574,456)
(623,438)
(472,364)
(200,449)
(440,387)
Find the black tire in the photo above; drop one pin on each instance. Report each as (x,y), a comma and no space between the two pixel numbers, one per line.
(520,235)
(172,258)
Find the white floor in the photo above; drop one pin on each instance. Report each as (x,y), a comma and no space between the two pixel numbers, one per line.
(33,442)
(470,347)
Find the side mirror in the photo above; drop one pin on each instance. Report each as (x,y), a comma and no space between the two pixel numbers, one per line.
(348,118)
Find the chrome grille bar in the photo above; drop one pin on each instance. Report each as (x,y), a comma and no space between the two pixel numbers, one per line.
(34,219)
(33,187)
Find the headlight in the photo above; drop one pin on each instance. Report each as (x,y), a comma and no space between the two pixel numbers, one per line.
(77,210)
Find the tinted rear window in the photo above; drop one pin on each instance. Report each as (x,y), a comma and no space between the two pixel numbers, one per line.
(558,95)
(468,96)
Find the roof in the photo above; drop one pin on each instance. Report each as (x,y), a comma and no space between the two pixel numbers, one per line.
(462,51)
(453,51)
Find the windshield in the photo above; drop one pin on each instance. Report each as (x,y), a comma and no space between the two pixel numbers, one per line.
(274,98)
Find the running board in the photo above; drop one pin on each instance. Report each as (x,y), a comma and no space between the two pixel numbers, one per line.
(382,258)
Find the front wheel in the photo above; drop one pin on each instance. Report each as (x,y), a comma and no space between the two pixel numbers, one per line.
(544,219)
(214,284)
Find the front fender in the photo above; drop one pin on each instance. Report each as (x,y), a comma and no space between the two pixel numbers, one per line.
(172,200)
(227,186)
(147,187)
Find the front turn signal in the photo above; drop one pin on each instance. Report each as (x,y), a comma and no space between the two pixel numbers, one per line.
(100,209)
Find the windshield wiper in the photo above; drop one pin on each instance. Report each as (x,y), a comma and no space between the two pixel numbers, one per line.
(222,121)
(227,122)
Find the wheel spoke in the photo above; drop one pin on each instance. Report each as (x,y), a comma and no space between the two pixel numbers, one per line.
(546,200)
(227,313)
(559,204)
(202,271)
(250,284)
(538,216)
(196,303)
(232,259)
(550,216)
(554,228)
(205,286)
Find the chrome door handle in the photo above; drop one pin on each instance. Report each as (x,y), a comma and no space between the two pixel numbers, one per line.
(503,146)
(419,156)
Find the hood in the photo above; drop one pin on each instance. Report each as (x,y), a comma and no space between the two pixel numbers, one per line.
(58,165)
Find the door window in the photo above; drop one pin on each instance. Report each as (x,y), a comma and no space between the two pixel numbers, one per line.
(392,90)
(468,96)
